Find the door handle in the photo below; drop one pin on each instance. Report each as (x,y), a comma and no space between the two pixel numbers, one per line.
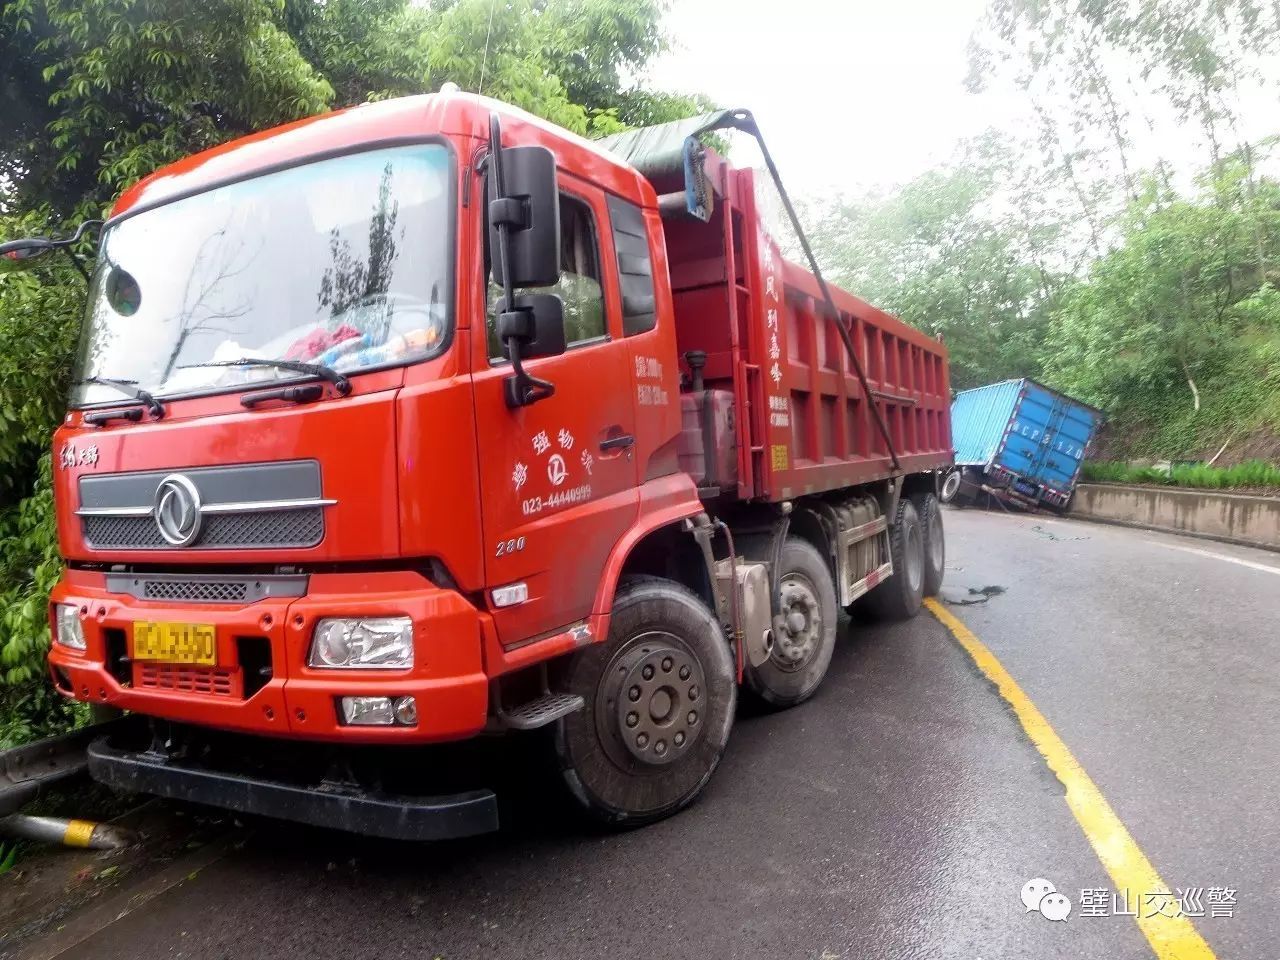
(618,442)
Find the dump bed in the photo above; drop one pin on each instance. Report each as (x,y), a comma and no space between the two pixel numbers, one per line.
(1037,434)
(804,423)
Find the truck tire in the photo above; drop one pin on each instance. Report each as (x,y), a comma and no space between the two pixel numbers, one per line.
(950,485)
(660,697)
(800,657)
(935,543)
(900,597)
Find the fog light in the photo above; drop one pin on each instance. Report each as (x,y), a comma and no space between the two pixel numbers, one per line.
(406,711)
(367,712)
(70,630)
(379,711)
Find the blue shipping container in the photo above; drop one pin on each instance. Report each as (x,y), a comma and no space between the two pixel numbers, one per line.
(1023,437)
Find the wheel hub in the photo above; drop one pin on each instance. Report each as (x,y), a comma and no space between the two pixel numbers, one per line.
(802,622)
(654,692)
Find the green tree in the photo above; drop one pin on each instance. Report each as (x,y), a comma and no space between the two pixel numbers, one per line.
(942,254)
(1177,329)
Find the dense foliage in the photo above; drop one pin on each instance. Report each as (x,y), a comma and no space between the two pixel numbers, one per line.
(1135,270)
(95,94)
(1255,475)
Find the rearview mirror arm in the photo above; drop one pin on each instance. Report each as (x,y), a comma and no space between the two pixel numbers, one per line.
(75,261)
(37,245)
(521,388)
(67,245)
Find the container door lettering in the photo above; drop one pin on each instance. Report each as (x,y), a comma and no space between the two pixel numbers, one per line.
(1023,447)
(558,477)
(1072,427)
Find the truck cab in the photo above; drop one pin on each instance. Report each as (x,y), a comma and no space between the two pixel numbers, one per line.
(356,241)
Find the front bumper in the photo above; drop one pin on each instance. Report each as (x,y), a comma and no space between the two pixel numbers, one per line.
(261,683)
(338,806)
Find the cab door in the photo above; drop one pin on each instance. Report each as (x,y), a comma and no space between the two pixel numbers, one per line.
(558,478)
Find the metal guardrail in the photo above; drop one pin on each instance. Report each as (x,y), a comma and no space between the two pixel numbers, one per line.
(28,770)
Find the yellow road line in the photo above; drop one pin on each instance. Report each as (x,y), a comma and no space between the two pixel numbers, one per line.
(1172,938)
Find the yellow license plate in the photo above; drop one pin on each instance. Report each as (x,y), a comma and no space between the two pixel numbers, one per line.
(174,642)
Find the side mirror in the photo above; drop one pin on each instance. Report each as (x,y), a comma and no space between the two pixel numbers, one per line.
(537,324)
(18,254)
(528,203)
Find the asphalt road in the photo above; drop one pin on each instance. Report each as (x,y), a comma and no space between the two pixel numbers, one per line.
(896,815)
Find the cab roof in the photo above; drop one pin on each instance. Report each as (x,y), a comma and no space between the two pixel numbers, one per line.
(453,115)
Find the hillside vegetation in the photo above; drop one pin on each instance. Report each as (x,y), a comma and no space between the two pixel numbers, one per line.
(1147,289)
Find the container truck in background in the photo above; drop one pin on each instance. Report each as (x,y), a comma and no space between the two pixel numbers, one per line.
(1020,442)
(428,419)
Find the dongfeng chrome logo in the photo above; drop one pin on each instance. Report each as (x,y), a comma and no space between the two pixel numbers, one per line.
(177,510)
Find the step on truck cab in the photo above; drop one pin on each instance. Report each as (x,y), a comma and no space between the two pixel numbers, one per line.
(428,419)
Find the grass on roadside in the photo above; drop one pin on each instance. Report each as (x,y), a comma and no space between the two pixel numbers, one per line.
(1250,475)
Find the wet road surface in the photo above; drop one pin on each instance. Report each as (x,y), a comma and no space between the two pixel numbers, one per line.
(896,815)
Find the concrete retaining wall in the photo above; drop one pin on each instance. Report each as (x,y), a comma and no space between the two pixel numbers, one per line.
(1233,517)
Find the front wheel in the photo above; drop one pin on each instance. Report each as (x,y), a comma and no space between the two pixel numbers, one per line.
(660,696)
(950,485)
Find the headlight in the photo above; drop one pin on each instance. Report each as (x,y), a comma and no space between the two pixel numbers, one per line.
(70,631)
(380,642)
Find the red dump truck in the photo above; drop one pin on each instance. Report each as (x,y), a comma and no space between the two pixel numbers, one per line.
(428,419)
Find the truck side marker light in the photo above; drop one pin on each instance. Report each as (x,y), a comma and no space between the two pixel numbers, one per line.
(510,595)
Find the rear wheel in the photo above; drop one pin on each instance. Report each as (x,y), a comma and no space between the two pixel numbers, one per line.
(935,547)
(660,696)
(900,597)
(802,649)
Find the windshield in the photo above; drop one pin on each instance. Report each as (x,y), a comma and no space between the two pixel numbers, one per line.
(345,262)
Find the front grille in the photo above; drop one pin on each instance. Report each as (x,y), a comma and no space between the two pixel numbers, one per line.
(271,528)
(122,532)
(188,678)
(284,528)
(196,591)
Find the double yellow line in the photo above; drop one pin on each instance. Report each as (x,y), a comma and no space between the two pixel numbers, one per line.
(1172,938)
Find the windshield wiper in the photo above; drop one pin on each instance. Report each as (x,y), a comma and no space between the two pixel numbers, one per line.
(129,387)
(317,370)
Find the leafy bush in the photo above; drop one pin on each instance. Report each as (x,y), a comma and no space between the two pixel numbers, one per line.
(39,311)
(1250,475)
(29,567)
